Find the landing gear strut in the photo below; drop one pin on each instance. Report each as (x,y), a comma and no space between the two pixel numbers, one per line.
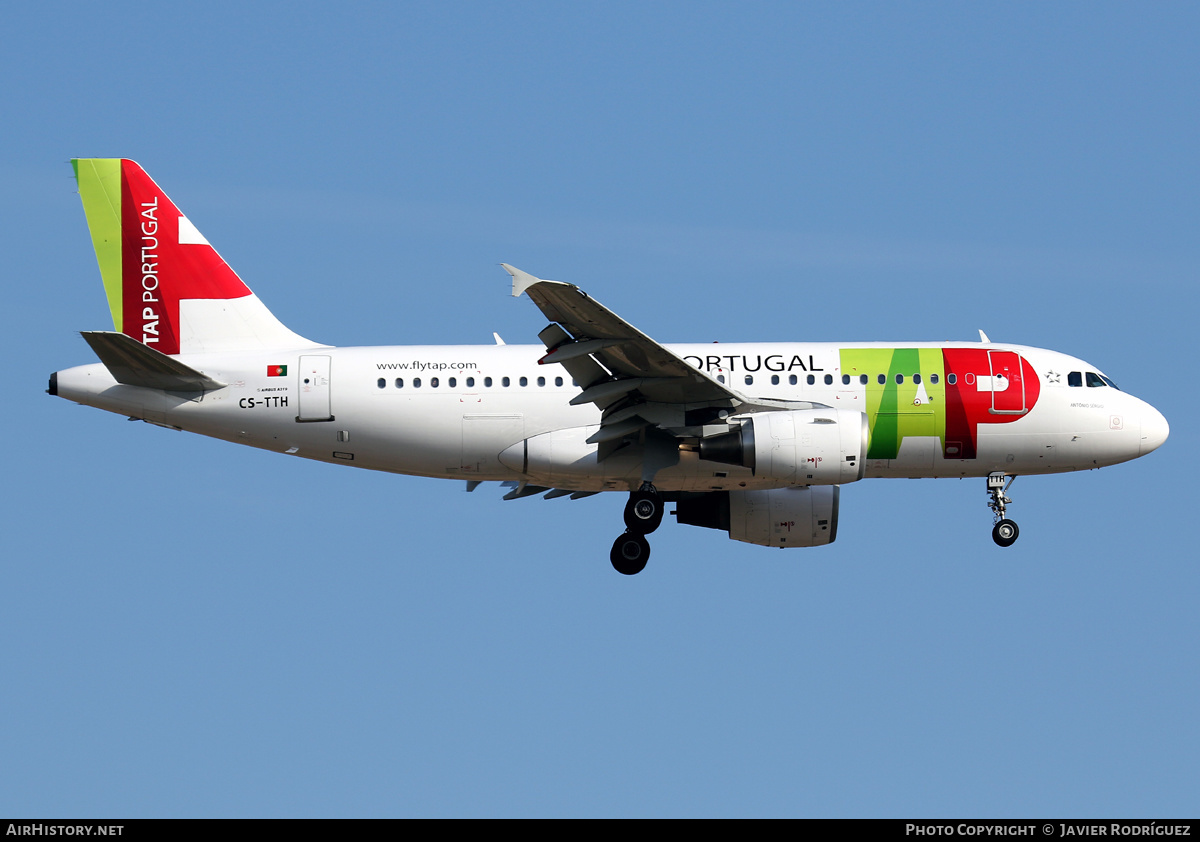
(643,514)
(1005,531)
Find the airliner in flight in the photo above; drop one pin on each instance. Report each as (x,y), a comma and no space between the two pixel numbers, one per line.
(753,439)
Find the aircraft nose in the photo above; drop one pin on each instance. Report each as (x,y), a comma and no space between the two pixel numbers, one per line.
(1155,430)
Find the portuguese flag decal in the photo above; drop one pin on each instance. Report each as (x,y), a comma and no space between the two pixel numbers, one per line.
(277,371)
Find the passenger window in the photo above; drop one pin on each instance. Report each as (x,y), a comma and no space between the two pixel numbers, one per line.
(774,379)
(828,379)
(1093,379)
(504,381)
(470,382)
(899,379)
(845,379)
(541,381)
(863,379)
(749,379)
(917,379)
(558,381)
(381,383)
(453,382)
(487,381)
(810,380)
(882,379)
(416,382)
(951,379)
(433,382)
(524,381)
(1075,378)
(720,378)
(399,382)
(933,378)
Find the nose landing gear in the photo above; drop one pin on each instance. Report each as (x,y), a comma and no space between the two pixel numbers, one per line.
(1005,531)
(643,514)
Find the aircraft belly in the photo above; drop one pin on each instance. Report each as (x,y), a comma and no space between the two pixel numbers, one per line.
(483,436)
(564,459)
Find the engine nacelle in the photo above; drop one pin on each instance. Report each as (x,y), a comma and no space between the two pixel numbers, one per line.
(802,447)
(777,517)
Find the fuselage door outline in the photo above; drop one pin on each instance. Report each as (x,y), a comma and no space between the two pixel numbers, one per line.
(314,387)
(1006,366)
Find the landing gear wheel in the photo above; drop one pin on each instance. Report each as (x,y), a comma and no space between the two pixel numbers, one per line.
(1005,532)
(643,512)
(630,552)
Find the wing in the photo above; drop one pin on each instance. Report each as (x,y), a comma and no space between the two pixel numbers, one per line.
(636,382)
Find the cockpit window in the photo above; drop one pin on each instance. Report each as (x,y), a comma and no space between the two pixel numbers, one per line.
(1075,378)
(1109,381)
(1093,379)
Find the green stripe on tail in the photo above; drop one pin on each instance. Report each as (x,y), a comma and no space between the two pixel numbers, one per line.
(99,181)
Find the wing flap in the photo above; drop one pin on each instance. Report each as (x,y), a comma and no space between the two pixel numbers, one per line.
(584,370)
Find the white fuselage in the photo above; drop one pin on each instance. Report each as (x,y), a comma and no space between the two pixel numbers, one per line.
(459,411)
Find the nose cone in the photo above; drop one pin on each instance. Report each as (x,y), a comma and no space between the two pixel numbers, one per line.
(1154,430)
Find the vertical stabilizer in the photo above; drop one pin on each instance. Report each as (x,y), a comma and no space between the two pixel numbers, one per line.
(166,286)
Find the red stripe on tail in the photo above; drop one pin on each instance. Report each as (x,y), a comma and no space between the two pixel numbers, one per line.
(157,270)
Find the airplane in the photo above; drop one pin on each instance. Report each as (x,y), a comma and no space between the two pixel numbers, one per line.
(752,439)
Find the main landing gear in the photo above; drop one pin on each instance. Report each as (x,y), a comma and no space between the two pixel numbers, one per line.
(1005,531)
(643,514)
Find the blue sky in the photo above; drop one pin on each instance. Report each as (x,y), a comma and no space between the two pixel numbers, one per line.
(195,629)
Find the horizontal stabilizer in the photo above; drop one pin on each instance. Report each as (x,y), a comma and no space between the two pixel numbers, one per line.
(134,364)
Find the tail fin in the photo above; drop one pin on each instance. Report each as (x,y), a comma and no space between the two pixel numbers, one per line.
(166,286)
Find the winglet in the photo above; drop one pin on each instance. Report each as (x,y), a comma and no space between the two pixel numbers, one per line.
(984,338)
(521,280)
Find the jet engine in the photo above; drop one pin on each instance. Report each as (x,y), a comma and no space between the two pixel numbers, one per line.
(801,447)
(776,517)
